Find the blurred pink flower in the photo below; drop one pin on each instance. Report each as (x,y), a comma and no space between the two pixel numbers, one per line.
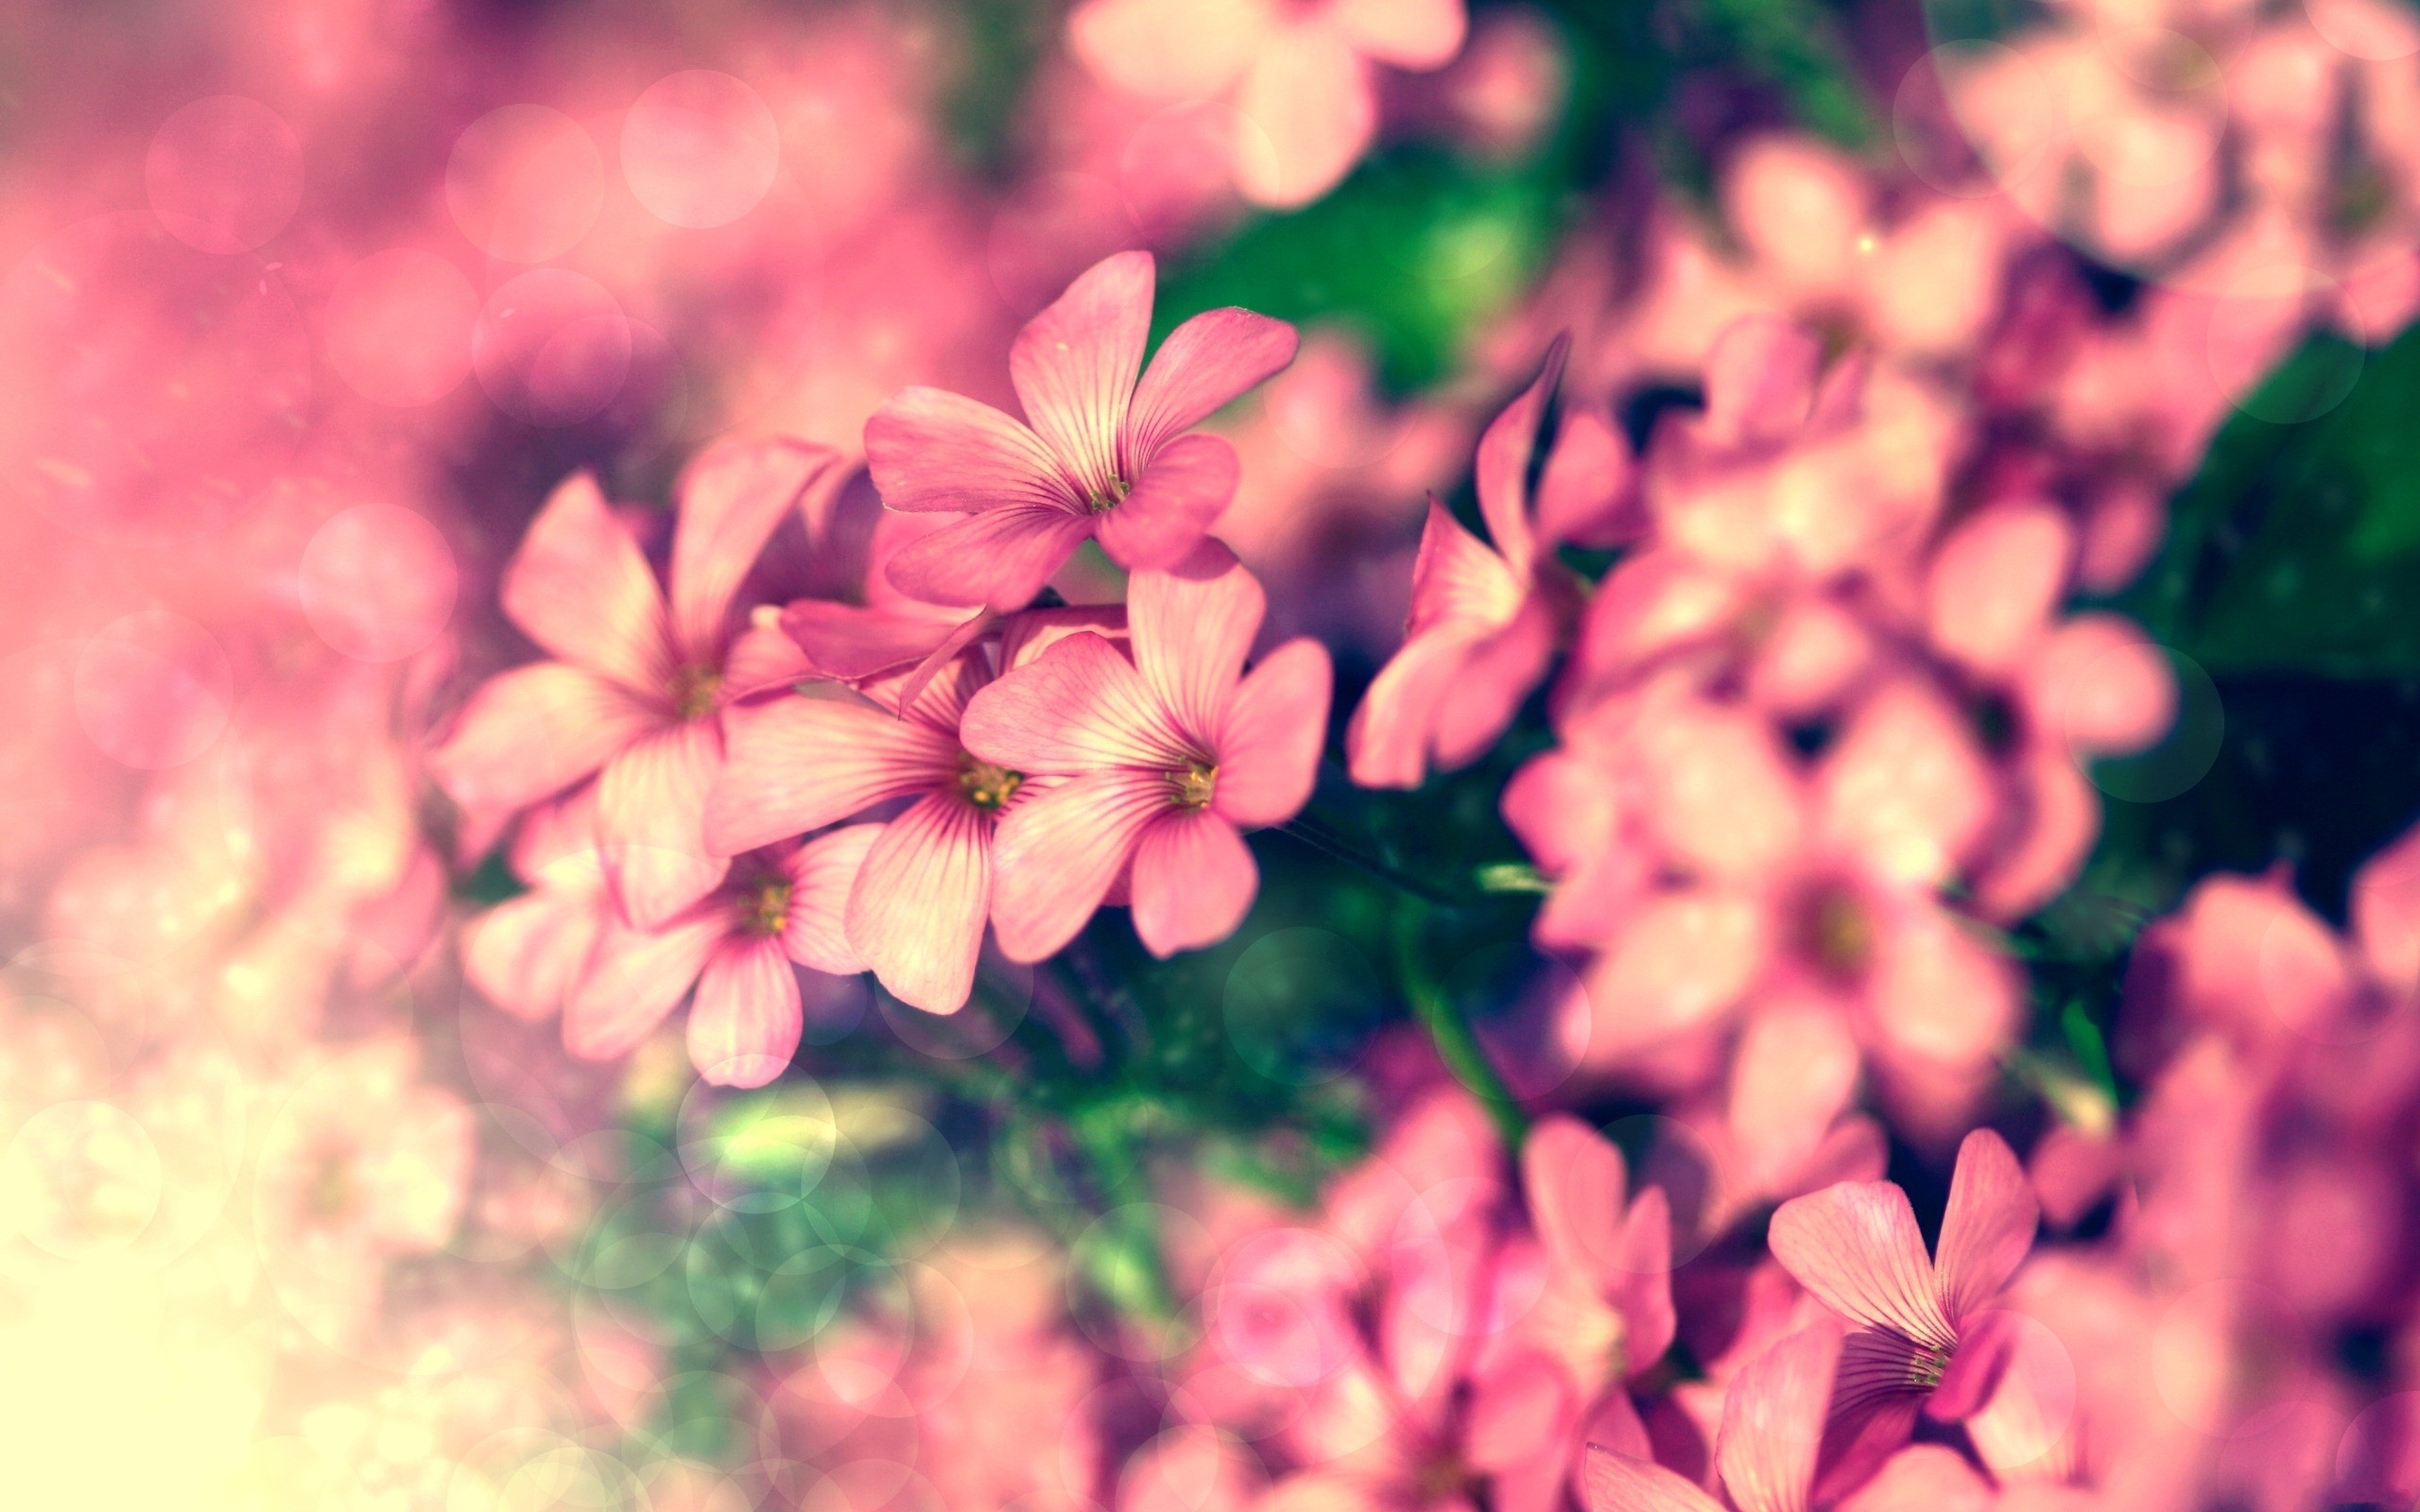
(1926,1335)
(1299,74)
(1170,756)
(1106,455)
(527,952)
(1772,1426)
(1485,622)
(736,947)
(634,690)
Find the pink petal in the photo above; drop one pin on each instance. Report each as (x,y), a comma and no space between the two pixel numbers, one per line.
(1192,628)
(1167,49)
(580,587)
(823,877)
(2386,913)
(745,1021)
(1308,113)
(1793,1073)
(1587,495)
(1502,671)
(650,821)
(530,733)
(1387,741)
(851,640)
(2100,686)
(1077,707)
(1269,745)
(1904,787)
(1995,581)
(1171,505)
(2062,819)
(1773,1423)
(1025,636)
(1519,1411)
(525,953)
(635,978)
(1618,1483)
(1457,578)
(1682,959)
(1720,791)
(916,913)
(1940,1000)
(1502,468)
(1923,1478)
(1205,365)
(1194,881)
(1075,365)
(765,658)
(1325,1490)
(1414,34)
(1000,557)
(1759,381)
(796,764)
(1643,1287)
(732,496)
(1856,1247)
(1054,856)
(1577,1187)
(1988,1226)
(928,449)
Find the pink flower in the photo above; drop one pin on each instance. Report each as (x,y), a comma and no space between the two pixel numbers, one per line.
(917,909)
(1773,1425)
(1485,622)
(1922,1321)
(634,689)
(736,947)
(527,952)
(1170,757)
(1304,90)
(1105,454)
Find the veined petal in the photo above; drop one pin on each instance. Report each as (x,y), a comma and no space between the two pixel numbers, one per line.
(1311,96)
(917,913)
(1192,628)
(1622,1482)
(1856,1247)
(745,1021)
(1194,881)
(1987,1228)
(999,558)
(530,733)
(580,587)
(823,876)
(928,449)
(765,658)
(1205,365)
(1170,507)
(797,764)
(1927,1478)
(1520,1411)
(1458,580)
(1413,34)
(1501,472)
(635,978)
(1077,707)
(525,953)
(1269,744)
(1587,495)
(1642,1287)
(852,641)
(1577,1185)
(650,821)
(1054,856)
(1773,1423)
(732,496)
(1388,740)
(1075,365)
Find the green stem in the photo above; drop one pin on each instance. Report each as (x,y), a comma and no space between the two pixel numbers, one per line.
(1456,1044)
(1329,842)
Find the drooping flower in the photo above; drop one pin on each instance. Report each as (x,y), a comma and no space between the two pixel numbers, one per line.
(1923,1323)
(736,945)
(1772,1426)
(918,907)
(1486,620)
(1103,452)
(636,688)
(1170,757)
(1304,94)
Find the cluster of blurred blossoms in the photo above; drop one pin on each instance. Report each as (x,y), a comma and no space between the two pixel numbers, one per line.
(375,962)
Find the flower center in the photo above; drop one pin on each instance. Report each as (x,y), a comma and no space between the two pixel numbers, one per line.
(986,786)
(1837,933)
(1925,1365)
(695,691)
(1103,497)
(764,907)
(1196,784)
(328,1195)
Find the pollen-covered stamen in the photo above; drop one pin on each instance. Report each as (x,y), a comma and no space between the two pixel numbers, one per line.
(986,786)
(765,907)
(1102,497)
(1195,785)
(1925,1367)
(1836,931)
(696,691)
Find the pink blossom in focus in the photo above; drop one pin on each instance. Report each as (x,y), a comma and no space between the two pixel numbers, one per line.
(1106,455)
(1168,757)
